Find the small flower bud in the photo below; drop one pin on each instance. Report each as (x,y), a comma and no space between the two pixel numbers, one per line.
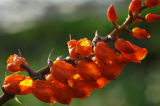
(151,3)
(140,33)
(111,14)
(152,17)
(135,6)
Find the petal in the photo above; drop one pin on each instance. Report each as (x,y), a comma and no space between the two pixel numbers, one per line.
(14,62)
(132,52)
(62,92)
(140,33)
(81,89)
(43,91)
(106,55)
(11,83)
(88,70)
(62,71)
(72,47)
(84,48)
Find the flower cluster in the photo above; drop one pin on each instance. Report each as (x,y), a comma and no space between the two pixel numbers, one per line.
(89,66)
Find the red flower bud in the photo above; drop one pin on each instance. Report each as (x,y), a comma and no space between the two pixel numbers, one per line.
(111,14)
(151,3)
(135,6)
(152,17)
(140,33)
(131,52)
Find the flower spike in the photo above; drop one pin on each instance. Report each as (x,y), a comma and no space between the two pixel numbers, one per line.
(87,67)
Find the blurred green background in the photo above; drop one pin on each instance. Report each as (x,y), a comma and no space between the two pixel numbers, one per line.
(37,26)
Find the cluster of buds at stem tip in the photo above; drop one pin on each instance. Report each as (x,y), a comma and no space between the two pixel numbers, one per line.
(88,66)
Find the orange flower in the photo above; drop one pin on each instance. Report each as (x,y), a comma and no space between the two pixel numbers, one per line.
(111,14)
(109,61)
(18,84)
(135,6)
(53,91)
(151,3)
(62,71)
(88,70)
(72,47)
(106,55)
(84,48)
(43,91)
(81,48)
(130,51)
(14,62)
(140,33)
(111,71)
(81,89)
(152,17)
(62,92)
